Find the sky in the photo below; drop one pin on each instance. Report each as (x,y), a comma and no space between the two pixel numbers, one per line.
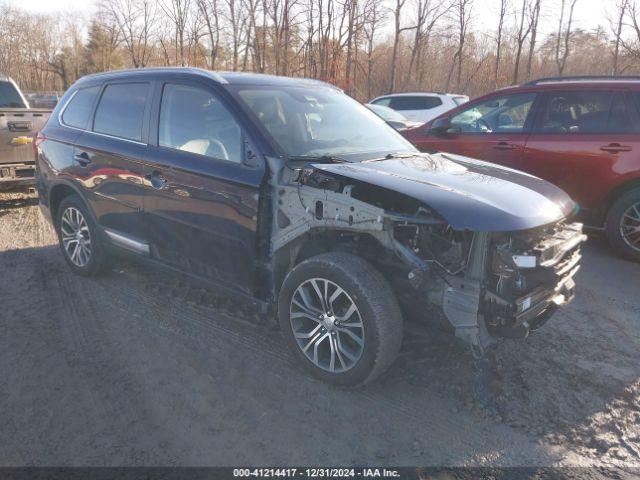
(588,13)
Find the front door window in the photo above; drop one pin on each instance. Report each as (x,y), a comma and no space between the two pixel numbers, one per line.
(506,114)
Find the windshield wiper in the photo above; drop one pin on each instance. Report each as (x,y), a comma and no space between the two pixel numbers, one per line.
(390,156)
(317,158)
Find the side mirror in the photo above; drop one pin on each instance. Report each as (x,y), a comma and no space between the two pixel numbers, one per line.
(443,126)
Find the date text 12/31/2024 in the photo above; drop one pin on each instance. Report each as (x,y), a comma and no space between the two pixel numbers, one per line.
(315,473)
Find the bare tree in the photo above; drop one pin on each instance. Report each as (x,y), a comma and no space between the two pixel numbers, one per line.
(564,36)
(463,9)
(398,29)
(617,26)
(429,12)
(524,28)
(178,12)
(340,41)
(534,20)
(135,20)
(210,12)
(503,12)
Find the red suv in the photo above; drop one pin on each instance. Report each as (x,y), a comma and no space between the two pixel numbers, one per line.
(580,133)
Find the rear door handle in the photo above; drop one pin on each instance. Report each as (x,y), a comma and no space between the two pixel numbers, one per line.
(157,180)
(82,158)
(615,148)
(505,146)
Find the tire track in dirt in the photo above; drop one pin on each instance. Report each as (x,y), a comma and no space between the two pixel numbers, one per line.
(143,368)
(395,403)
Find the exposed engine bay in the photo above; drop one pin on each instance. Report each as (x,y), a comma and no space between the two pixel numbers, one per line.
(487,284)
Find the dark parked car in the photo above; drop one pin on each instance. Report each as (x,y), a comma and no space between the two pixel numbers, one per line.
(290,194)
(580,133)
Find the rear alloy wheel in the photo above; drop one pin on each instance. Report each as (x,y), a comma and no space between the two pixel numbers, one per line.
(623,224)
(78,236)
(76,239)
(341,318)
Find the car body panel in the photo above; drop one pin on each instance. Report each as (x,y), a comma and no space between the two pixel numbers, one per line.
(204,217)
(580,164)
(214,204)
(468,194)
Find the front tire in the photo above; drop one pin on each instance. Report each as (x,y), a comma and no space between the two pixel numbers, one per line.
(623,224)
(340,318)
(78,237)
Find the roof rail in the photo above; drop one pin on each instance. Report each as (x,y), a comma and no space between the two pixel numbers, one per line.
(574,78)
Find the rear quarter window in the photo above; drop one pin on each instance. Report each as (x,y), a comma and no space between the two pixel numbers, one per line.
(415,103)
(120,112)
(78,110)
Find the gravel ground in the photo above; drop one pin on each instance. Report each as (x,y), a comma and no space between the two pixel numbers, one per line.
(141,368)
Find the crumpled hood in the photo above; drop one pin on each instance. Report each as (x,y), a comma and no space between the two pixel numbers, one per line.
(469,194)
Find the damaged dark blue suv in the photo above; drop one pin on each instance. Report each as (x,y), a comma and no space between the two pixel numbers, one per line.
(292,195)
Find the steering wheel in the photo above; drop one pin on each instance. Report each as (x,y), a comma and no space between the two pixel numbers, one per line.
(217,149)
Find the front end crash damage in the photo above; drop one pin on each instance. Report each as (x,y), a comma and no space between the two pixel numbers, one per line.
(487,284)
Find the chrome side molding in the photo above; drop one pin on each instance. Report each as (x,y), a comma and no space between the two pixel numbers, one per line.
(124,241)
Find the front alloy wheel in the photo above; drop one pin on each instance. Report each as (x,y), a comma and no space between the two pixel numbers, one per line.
(630,226)
(622,225)
(341,318)
(327,325)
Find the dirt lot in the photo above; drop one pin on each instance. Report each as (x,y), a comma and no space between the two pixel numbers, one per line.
(138,368)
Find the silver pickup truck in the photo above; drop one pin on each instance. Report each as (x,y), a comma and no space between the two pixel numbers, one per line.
(18,126)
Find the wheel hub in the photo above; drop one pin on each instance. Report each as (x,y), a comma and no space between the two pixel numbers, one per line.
(328,321)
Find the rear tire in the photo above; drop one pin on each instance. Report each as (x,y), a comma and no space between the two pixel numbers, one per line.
(623,225)
(340,318)
(79,238)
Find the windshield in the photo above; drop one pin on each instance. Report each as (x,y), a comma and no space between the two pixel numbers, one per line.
(9,96)
(320,121)
(387,113)
(460,100)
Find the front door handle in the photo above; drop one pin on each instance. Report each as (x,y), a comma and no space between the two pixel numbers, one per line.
(504,146)
(82,158)
(157,180)
(615,148)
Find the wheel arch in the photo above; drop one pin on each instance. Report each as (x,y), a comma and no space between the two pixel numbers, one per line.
(619,190)
(316,242)
(58,193)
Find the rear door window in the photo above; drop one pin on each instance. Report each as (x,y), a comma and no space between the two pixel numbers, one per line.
(414,103)
(78,110)
(573,112)
(624,116)
(120,112)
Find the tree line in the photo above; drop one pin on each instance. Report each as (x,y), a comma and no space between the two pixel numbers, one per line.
(366,47)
